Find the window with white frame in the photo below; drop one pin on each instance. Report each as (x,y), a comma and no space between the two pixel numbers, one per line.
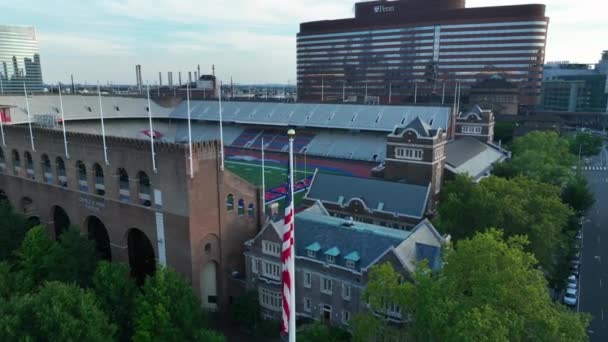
(438,153)
(393,310)
(312,254)
(307,279)
(327,285)
(346,291)
(471,129)
(271,248)
(307,305)
(350,264)
(330,259)
(345,317)
(270,299)
(408,153)
(254,265)
(271,270)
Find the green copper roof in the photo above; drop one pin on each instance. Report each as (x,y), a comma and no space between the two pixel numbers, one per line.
(334,251)
(315,247)
(353,256)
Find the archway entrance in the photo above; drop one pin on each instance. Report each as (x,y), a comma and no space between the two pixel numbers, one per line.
(141,255)
(98,233)
(28,209)
(208,283)
(61,221)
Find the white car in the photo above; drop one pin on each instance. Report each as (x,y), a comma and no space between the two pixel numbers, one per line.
(579,235)
(572,279)
(572,286)
(570,299)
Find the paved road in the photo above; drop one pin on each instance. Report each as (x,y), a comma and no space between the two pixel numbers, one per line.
(593,280)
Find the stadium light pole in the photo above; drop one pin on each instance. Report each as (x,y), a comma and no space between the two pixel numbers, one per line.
(103,129)
(29,117)
(263,182)
(65,140)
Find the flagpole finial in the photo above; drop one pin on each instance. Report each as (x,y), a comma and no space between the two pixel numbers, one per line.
(291,133)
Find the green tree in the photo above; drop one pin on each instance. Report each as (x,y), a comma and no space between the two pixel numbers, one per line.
(488,290)
(585,143)
(116,293)
(518,206)
(319,332)
(13,228)
(33,257)
(58,312)
(577,194)
(74,260)
(503,132)
(167,310)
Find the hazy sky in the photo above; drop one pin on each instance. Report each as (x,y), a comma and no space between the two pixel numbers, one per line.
(250,40)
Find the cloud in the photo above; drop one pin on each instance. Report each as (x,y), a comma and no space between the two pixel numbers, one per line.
(82,45)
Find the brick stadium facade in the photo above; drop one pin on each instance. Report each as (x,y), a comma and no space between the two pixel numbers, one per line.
(399,49)
(196,225)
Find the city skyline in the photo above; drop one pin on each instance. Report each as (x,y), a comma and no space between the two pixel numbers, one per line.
(105,40)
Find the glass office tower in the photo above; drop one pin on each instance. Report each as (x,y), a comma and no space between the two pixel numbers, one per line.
(19,60)
(395,51)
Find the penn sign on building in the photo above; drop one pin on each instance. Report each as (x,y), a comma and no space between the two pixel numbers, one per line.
(399,50)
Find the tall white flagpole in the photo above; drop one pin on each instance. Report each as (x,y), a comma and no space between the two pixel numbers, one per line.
(263,180)
(151,131)
(343,91)
(458,105)
(415,92)
(221,130)
(29,117)
(103,128)
(292,266)
(189,131)
(443,94)
(65,140)
(390,92)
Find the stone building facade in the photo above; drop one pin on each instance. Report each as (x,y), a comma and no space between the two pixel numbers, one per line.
(195,223)
(477,123)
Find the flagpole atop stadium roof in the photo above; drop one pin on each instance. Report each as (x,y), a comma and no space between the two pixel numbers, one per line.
(151,131)
(65,140)
(29,117)
(103,129)
(189,130)
(221,130)
(263,183)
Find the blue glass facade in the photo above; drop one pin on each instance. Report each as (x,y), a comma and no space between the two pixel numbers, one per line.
(19,60)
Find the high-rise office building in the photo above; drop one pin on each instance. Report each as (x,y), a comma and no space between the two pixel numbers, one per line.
(20,60)
(400,49)
(138,77)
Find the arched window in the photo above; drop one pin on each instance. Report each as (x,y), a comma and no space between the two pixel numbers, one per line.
(46,169)
(144,189)
(2,161)
(250,211)
(61,176)
(29,166)
(81,171)
(229,202)
(16,163)
(241,209)
(124,193)
(100,187)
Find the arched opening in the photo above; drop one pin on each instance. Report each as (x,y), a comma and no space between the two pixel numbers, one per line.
(208,284)
(29,166)
(141,255)
(144,189)
(124,194)
(100,187)
(46,169)
(250,211)
(29,210)
(61,176)
(2,161)
(229,202)
(61,221)
(16,159)
(241,209)
(98,233)
(81,173)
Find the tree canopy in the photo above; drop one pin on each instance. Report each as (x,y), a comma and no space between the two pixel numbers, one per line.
(488,290)
(13,228)
(518,206)
(585,143)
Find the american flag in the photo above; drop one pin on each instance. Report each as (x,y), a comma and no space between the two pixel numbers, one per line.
(286,257)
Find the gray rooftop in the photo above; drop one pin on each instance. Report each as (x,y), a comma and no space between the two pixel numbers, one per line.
(378,195)
(471,156)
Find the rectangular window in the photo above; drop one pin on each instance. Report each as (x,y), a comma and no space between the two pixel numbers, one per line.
(345,317)
(408,153)
(393,310)
(471,129)
(350,263)
(254,266)
(346,291)
(331,259)
(307,305)
(270,299)
(327,285)
(312,254)
(307,279)
(271,270)
(271,248)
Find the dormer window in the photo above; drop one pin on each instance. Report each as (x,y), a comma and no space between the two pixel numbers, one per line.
(312,254)
(350,264)
(331,254)
(351,259)
(312,249)
(330,259)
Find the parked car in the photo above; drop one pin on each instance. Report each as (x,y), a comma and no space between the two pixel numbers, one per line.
(572,279)
(570,299)
(572,286)
(574,270)
(579,235)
